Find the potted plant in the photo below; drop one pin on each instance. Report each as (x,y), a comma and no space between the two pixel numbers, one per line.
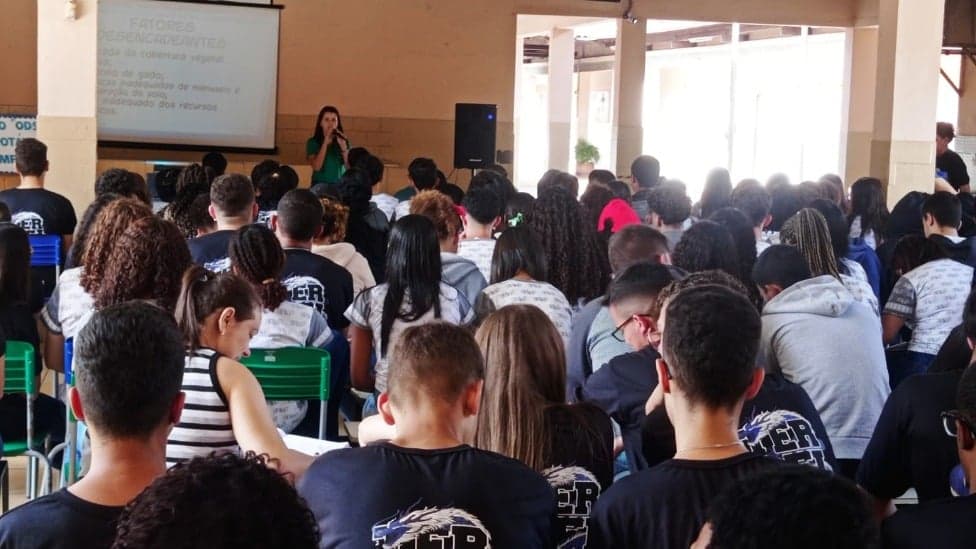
(587,155)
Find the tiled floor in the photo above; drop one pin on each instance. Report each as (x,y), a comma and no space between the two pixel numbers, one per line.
(18,471)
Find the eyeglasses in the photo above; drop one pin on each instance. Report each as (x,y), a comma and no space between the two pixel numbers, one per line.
(618,333)
(949,420)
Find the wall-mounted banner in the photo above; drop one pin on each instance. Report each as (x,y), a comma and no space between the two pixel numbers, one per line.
(13,128)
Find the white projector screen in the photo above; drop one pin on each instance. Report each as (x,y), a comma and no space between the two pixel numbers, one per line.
(187,74)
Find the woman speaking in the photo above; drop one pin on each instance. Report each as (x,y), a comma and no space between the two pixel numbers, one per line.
(328,149)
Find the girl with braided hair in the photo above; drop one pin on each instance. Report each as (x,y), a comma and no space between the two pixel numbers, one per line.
(807,231)
(256,256)
(577,264)
(192,182)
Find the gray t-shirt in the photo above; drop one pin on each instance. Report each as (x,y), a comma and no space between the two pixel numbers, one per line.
(543,295)
(931,299)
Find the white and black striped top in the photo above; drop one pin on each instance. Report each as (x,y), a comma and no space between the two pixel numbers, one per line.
(205,424)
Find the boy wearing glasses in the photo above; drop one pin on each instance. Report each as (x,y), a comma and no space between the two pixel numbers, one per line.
(944,523)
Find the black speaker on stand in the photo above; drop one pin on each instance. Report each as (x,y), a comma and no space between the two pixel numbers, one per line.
(474,135)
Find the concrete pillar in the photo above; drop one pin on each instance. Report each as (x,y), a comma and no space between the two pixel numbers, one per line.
(66,97)
(627,137)
(909,46)
(966,125)
(562,60)
(862,69)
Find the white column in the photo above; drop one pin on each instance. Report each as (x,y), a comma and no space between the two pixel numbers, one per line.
(562,59)
(627,138)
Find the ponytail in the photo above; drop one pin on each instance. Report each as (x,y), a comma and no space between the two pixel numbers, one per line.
(204,293)
(257,257)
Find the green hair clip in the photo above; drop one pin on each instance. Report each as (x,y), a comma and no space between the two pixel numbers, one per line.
(516,220)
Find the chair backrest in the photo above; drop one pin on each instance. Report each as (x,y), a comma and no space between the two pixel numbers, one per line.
(19,375)
(291,373)
(45,250)
(69,354)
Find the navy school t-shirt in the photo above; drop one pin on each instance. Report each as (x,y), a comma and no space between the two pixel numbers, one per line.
(59,521)
(320,283)
(40,211)
(210,250)
(946,524)
(384,495)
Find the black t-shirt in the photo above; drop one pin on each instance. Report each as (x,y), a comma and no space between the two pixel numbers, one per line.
(40,211)
(780,422)
(316,281)
(946,524)
(370,234)
(953,164)
(581,466)
(210,250)
(621,388)
(909,447)
(666,505)
(60,520)
(964,252)
(387,496)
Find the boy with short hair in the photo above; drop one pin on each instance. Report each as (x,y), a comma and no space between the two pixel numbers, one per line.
(941,219)
(128,365)
(232,205)
(374,169)
(422,173)
(483,210)
(669,208)
(310,279)
(426,483)
(707,371)
(36,209)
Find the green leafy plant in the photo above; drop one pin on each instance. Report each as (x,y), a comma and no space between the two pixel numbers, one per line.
(586,152)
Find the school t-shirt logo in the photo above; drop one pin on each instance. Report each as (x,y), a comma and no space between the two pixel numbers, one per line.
(576,492)
(31,222)
(221,265)
(431,528)
(785,435)
(307,290)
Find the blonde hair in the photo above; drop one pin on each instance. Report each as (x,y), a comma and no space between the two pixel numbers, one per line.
(439,208)
(807,231)
(335,218)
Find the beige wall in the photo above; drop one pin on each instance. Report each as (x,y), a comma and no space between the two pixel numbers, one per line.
(18,71)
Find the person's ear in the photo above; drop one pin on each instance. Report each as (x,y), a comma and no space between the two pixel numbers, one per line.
(766,221)
(472,398)
(758,376)
(495,223)
(47,166)
(226,317)
(964,438)
(769,291)
(662,376)
(274,222)
(665,259)
(74,399)
(254,211)
(176,409)
(928,219)
(969,341)
(385,408)
(212,211)
(318,233)
(646,325)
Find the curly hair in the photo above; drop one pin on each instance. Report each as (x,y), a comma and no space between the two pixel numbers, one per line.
(706,246)
(578,265)
(714,277)
(437,207)
(221,501)
(147,262)
(793,506)
(103,237)
(122,182)
(84,228)
(256,256)
(913,251)
(669,201)
(192,182)
(335,218)
(808,232)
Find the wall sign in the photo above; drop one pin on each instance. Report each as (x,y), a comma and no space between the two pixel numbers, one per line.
(13,128)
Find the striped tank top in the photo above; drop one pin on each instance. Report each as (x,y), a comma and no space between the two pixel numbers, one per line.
(204,426)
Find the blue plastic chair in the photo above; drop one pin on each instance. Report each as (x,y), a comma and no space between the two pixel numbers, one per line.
(46,254)
(70,445)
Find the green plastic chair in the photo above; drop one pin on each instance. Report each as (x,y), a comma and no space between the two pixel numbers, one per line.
(293,373)
(19,378)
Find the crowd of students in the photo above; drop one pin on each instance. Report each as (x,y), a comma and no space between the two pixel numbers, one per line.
(770,366)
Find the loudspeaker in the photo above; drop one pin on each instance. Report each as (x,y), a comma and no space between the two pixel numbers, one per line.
(960,24)
(474,135)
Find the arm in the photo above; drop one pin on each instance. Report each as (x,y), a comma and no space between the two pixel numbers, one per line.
(891,325)
(253,427)
(361,344)
(54,351)
(317,160)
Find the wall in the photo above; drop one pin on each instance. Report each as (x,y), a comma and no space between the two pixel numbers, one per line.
(18,71)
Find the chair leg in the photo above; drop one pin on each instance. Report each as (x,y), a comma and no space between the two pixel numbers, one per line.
(4,487)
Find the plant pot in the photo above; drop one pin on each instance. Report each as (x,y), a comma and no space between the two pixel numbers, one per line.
(584,169)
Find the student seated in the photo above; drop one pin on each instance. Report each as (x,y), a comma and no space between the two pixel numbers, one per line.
(368,228)
(945,523)
(519,277)
(413,294)
(330,245)
(941,219)
(790,507)
(707,371)
(622,386)
(422,173)
(311,279)
(669,208)
(373,167)
(123,183)
(128,363)
(483,210)
(426,483)
(524,415)
(869,213)
(232,205)
(929,297)
(706,246)
(191,182)
(909,448)
(225,406)
(457,271)
(819,337)
(591,344)
(753,200)
(219,501)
